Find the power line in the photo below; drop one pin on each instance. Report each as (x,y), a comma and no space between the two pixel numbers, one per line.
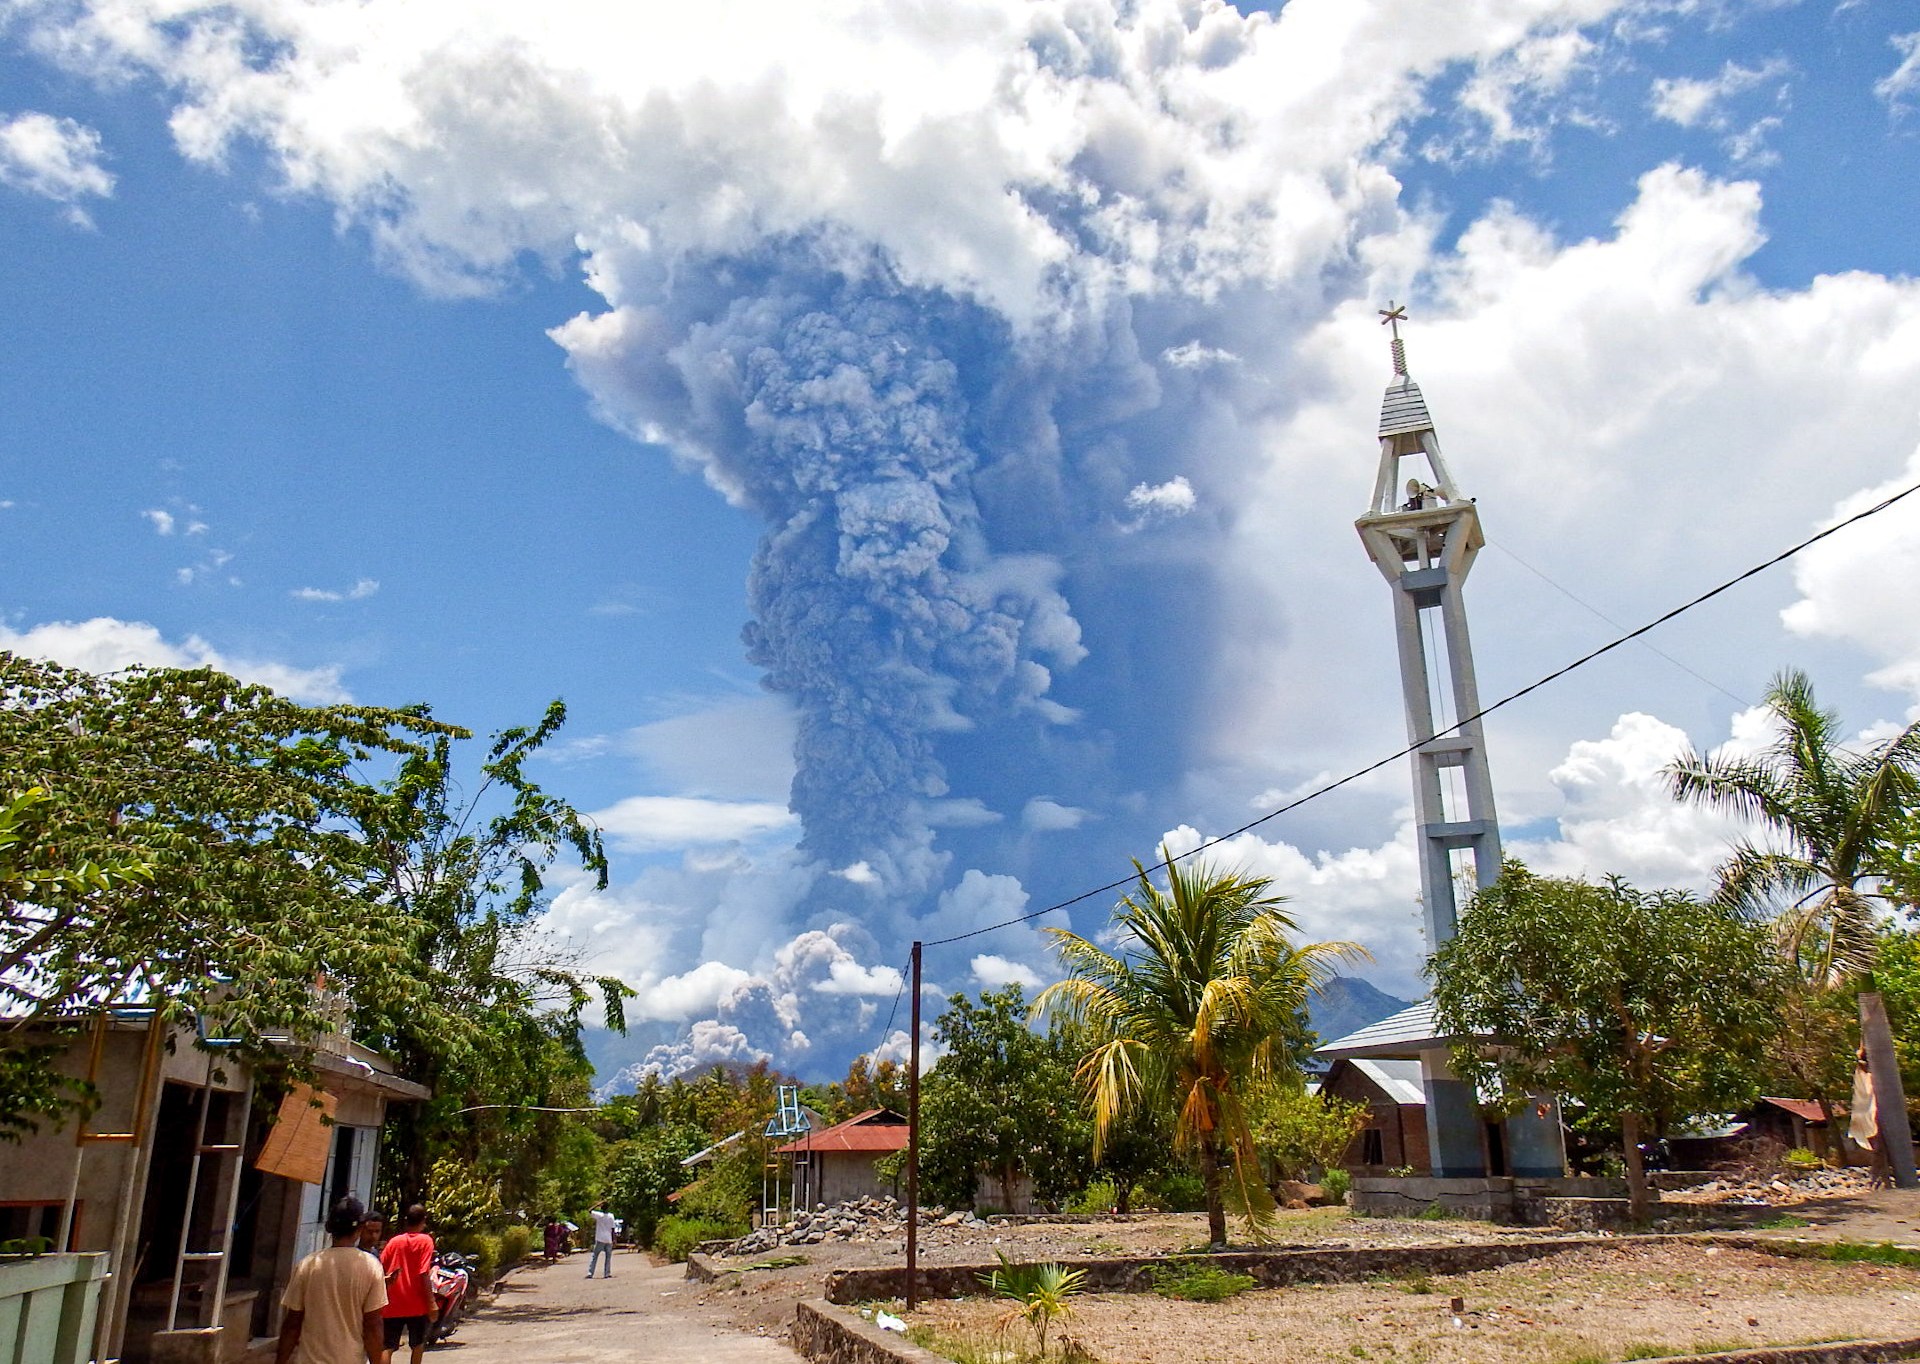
(1581,601)
(1506,700)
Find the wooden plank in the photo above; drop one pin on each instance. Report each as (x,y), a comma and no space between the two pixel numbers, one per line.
(302,1137)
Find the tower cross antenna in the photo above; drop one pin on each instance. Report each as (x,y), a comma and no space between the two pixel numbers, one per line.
(1392,316)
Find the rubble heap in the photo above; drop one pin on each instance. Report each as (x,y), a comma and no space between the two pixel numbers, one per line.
(1778,1191)
(856,1219)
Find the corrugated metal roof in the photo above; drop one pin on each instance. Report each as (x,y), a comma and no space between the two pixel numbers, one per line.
(1398,1080)
(1405,1034)
(1403,409)
(877,1129)
(1805,1109)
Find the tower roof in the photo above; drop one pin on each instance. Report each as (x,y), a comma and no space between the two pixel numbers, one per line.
(1403,411)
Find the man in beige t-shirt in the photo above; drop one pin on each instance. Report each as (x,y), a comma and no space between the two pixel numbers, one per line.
(333,1301)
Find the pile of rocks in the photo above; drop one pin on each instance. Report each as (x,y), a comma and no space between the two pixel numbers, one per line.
(856,1219)
(1781,1190)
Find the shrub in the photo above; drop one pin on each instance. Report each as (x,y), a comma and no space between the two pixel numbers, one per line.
(1099,1196)
(1334,1184)
(676,1236)
(515,1242)
(483,1246)
(1178,1191)
(1040,1294)
(1800,1159)
(1198,1281)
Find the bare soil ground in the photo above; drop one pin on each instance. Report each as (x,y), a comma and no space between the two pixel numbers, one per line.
(1607,1302)
(759,1298)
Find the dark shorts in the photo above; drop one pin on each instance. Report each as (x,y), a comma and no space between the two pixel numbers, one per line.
(416,1328)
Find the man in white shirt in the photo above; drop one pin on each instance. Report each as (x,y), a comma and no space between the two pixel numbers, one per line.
(604,1223)
(334,1299)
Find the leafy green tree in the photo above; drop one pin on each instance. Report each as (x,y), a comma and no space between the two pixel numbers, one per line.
(1000,1102)
(1645,1005)
(644,1170)
(1833,815)
(190,832)
(1301,1134)
(465,873)
(1205,1003)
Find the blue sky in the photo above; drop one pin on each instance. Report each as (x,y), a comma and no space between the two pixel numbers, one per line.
(1008,371)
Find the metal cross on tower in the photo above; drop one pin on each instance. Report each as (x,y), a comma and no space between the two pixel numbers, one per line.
(1422,535)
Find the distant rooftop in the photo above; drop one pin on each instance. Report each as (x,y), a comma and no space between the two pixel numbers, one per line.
(1401,1037)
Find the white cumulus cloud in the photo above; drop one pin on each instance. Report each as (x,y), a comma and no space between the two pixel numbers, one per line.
(360,591)
(55,158)
(104,645)
(643,823)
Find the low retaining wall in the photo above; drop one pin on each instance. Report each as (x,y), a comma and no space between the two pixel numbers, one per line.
(1573,1204)
(826,1334)
(1841,1352)
(1269,1268)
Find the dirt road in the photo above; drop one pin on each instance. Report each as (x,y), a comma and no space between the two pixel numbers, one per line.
(556,1315)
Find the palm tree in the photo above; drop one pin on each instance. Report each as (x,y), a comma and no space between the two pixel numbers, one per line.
(1835,816)
(1830,812)
(1206,1002)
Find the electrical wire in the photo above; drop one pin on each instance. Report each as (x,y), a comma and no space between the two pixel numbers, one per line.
(1484,711)
(1582,602)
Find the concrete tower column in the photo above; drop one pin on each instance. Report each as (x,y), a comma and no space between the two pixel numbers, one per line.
(1423,535)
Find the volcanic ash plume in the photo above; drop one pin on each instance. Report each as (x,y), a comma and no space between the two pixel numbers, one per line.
(876,601)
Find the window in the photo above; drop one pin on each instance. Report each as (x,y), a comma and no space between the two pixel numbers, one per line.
(1373,1147)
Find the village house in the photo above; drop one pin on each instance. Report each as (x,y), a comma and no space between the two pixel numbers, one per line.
(836,1164)
(178,1151)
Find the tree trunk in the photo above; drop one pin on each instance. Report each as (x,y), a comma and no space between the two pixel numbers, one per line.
(1124,1202)
(1006,1189)
(1889,1096)
(1639,1206)
(1828,1147)
(1216,1201)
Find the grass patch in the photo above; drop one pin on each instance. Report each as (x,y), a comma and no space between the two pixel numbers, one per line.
(963,1347)
(1198,1282)
(1436,1212)
(1785,1221)
(777,1262)
(1418,1284)
(1862,1252)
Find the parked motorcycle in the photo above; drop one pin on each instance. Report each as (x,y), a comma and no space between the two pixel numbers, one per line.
(452,1285)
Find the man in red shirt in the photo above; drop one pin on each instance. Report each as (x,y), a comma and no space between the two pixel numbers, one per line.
(408,1262)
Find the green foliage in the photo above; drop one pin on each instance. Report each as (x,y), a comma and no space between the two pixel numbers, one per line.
(1041,1293)
(1001,1102)
(1099,1196)
(1644,1005)
(1198,1281)
(461,1200)
(867,1086)
(1334,1183)
(515,1242)
(892,1168)
(1177,1191)
(676,1236)
(1418,1284)
(1784,1221)
(1801,1160)
(726,1192)
(1835,817)
(1206,1002)
(1300,1134)
(644,1171)
(180,831)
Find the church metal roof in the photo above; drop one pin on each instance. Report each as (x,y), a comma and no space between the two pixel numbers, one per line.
(1402,1036)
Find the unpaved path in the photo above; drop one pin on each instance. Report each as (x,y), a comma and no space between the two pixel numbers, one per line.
(556,1315)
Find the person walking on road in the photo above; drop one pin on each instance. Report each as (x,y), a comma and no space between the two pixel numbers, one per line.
(408,1262)
(603,1224)
(334,1299)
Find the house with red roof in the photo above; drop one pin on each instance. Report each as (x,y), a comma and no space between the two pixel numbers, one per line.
(837,1163)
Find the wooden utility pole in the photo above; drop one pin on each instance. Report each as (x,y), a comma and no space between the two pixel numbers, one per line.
(913,1142)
